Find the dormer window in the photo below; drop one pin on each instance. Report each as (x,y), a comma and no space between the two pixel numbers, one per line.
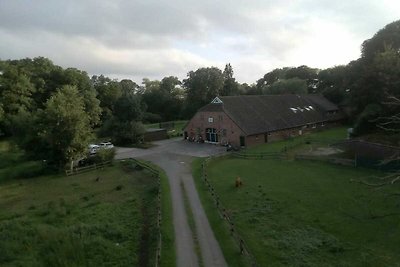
(216,100)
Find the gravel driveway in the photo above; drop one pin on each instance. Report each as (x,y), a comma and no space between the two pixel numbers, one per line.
(175,157)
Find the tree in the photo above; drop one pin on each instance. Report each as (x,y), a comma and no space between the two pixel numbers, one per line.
(65,126)
(15,95)
(128,107)
(380,77)
(201,87)
(334,84)
(168,84)
(108,92)
(391,123)
(128,86)
(230,86)
(304,73)
(287,86)
(125,125)
(388,37)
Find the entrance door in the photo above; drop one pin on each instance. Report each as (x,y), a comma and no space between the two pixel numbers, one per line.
(242,141)
(211,135)
(265,138)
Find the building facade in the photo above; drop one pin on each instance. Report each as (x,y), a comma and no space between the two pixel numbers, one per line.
(251,120)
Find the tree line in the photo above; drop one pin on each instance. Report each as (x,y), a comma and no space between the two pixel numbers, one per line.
(53,112)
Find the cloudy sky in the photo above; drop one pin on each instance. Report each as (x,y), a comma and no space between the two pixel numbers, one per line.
(155,38)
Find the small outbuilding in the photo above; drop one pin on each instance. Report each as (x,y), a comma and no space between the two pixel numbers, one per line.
(255,119)
(155,134)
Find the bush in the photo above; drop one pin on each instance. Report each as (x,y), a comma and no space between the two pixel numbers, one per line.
(127,133)
(104,155)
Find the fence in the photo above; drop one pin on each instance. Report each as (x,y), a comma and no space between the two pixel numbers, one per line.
(225,215)
(269,155)
(372,155)
(78,170)
(155,173)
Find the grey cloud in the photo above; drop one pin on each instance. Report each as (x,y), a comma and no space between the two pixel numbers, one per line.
(253,33)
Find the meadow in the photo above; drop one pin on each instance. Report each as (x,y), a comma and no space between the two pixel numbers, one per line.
(105,217)
(304,213)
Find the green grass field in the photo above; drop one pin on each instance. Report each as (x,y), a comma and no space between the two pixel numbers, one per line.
(296,213)
(76,221)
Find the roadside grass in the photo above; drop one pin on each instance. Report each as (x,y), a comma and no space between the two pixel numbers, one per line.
(319,138)
(302,213)
(220,228)
(77,221)
(192,225)
(168,251)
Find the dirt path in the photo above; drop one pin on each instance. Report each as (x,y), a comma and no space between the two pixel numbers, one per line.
(177,166)
(178,170)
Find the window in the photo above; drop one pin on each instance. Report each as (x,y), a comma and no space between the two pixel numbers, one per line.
(220,117)
(210,119)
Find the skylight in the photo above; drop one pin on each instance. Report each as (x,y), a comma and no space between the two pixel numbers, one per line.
(294,110)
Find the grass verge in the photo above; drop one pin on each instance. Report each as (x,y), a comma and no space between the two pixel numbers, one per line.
(220,228)
(192,225)
(168,251)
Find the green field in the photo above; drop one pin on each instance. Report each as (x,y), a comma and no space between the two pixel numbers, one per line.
(76,221)
(309,214)
(303,213)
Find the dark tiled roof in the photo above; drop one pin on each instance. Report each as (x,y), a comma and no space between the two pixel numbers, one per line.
(212,107)
(265,113)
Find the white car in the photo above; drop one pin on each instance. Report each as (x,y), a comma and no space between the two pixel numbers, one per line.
(106,145)
(93,148)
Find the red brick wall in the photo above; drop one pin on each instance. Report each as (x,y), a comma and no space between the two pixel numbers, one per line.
(198,124)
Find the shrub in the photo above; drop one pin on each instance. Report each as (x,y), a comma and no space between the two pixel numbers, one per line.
(104,155)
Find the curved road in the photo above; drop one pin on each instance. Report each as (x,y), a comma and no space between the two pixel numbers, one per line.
(175,157)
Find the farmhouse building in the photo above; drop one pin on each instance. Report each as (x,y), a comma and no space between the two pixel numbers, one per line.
(251,120)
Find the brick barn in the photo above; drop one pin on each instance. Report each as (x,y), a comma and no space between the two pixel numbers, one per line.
(251,120)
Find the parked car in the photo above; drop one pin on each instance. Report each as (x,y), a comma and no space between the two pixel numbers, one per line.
(93,148)
(106,145)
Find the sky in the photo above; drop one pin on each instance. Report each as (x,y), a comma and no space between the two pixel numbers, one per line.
(156,38)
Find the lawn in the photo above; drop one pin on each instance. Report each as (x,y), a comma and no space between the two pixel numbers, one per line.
(301,213)
(55,220)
